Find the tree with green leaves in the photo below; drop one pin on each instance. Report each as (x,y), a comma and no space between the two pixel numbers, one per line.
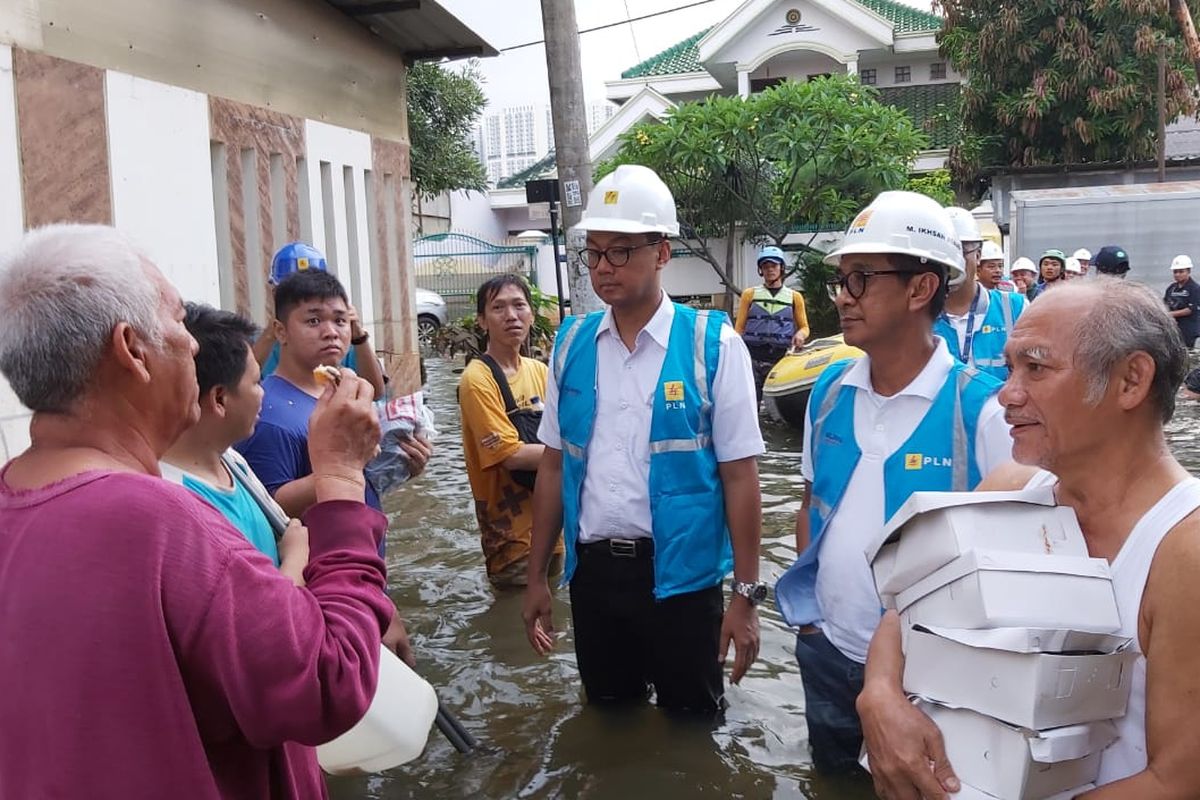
(798,156)
(443,106)
(1061,81)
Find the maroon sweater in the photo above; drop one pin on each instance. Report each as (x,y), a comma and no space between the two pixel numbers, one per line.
(147,650)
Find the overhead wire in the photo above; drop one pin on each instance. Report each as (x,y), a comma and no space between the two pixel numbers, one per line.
(626,21)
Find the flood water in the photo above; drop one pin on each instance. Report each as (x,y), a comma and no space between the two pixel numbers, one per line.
(537,738)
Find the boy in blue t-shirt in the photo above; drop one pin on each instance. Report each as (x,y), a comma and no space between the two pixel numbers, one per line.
(312,325)
(202,459)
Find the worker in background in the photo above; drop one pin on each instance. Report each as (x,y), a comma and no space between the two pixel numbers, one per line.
(770,317)
(360,357)
(1024,277)
(976,321)
(1084,257)
(1072,270)
(1183,300)
(650,471)
(1112,260)
(1051,267)
(991,268)
(905,417)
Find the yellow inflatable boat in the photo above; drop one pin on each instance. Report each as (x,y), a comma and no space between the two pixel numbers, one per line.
(786,390)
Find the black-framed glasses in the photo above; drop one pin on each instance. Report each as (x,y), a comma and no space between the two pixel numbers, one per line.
(855,283)
(616,256)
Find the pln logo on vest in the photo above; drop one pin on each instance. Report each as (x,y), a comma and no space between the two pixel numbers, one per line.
(920,461)
(673,393)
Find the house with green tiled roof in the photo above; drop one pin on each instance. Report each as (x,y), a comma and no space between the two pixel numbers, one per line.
(887,43)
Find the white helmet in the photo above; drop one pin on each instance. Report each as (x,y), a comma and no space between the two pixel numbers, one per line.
(630,199)
(1083,254)
(1025,264)
(1181,262)
(905,223)
(1072,266)
(991,251)
(964,224)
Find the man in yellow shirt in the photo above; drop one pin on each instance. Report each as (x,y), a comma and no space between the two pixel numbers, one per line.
(499,429)
(771,317)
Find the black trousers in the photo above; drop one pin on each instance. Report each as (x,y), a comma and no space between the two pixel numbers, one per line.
(626,642)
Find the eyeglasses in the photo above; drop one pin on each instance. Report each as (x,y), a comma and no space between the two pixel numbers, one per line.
(616,256)
(855,283)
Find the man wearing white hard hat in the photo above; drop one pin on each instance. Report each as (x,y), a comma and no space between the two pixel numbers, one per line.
(905,417)
(1183,299)
(1072,269)
(1024,276)
(771,318)
(650,471)
(991,268)
(976,321)
(1084,257)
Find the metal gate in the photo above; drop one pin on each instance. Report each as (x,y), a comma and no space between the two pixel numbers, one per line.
(455,265)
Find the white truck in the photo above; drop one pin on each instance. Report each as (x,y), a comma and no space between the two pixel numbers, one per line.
(1154,222)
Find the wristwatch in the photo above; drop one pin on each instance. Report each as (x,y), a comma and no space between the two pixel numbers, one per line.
(754,592)
(357,340)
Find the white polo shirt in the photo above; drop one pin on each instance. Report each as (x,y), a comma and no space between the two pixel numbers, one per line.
(845,587)
(616,489)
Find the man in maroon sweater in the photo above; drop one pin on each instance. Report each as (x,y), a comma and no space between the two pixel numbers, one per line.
(148,649)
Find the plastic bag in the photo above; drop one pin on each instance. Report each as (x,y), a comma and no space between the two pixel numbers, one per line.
(400,419)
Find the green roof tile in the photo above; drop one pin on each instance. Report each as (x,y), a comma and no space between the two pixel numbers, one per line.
(904,19)
(677,59)
(684,57)
(933,108)
(545,168)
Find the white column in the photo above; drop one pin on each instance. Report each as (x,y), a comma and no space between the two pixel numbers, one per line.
(852,66)
(743,83)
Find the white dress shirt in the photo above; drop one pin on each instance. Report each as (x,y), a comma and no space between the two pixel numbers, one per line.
(959,321)
(616,488)
(845,586)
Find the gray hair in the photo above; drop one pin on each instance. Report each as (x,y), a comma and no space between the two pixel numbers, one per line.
(63,288)
(1126,318)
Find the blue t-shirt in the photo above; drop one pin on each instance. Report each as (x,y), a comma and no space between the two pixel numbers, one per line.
(236,504)
(277,451)
(272,363)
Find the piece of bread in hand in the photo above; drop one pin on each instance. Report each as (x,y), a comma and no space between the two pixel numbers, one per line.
(324,375)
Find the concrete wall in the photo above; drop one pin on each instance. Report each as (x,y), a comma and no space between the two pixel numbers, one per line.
(14,425)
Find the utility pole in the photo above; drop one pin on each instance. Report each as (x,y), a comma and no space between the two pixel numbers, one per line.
(570,138)
(1162,112)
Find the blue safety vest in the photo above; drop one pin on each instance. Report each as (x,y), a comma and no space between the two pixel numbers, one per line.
(771,320)
(938,457)
(692,549)
(986,344)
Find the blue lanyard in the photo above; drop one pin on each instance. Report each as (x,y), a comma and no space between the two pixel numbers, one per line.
(969,339)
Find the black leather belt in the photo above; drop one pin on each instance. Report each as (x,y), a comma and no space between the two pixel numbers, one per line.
(619,548)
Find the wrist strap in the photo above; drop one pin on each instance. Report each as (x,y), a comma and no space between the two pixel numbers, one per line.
(359,340)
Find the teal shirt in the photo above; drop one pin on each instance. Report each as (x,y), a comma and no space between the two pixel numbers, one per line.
(272,363)
(236,504)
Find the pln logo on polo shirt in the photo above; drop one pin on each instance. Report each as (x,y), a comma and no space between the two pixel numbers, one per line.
(673,394)
(920,461)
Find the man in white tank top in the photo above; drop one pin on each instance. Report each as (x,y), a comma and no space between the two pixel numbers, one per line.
(1095,369)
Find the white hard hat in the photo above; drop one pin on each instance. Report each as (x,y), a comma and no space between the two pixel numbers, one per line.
(630,199)
(905,223)
(1072,266)
(964,224)
(1024,263)
(1181,262)
(1083,254)
(991,251)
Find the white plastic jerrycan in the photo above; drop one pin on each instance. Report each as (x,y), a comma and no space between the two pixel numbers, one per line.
(395,728)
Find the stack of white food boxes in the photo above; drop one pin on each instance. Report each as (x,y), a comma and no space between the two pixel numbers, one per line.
(1007,637)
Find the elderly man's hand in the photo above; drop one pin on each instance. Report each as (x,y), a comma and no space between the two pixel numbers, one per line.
(343,434)
(906,752)
(395,638)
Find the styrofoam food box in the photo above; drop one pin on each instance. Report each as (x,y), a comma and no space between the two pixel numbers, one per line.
(1022,675)
(990,589)
(1016,763)
(971,793)
(932,529)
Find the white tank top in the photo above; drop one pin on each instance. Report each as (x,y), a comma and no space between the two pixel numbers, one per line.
(1130,569)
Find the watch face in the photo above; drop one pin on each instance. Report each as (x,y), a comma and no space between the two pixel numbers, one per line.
(759,593)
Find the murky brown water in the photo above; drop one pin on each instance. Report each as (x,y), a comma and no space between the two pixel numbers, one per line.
(538,739)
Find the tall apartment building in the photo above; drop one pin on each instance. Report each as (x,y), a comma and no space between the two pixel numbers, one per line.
(513,138)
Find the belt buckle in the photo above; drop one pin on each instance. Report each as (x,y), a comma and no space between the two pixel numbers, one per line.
(623,548)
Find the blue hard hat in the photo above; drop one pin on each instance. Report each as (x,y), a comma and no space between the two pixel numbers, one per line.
(296,257)
(771,251)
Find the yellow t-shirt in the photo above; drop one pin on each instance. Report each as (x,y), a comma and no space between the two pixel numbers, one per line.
(503,507)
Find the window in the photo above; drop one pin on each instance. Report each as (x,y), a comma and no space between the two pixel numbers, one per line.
(814,75)
(903,74)
(867,76)
(758,84)
(937,71)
